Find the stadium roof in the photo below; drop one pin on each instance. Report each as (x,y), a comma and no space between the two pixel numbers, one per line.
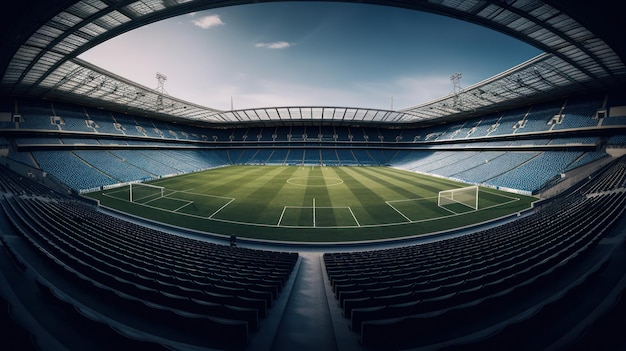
(40,58)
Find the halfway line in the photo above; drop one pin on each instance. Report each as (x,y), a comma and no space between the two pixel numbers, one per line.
(313,212)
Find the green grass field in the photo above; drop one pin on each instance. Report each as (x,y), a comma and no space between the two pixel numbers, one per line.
(316,204)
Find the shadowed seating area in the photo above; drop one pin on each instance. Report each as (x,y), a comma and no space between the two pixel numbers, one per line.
(134,285)
(491,217)
(484,289)
(76,277)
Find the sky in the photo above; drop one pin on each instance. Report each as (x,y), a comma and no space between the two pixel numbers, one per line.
(309,54)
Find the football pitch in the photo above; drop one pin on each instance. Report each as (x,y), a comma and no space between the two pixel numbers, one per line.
(310,203)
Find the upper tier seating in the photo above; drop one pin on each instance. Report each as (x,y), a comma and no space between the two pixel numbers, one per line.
(494,168)
(105,121)
(580,113)
(538,118)
(576,112)
(38,115)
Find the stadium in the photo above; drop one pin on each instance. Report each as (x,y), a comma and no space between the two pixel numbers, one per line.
(489,218)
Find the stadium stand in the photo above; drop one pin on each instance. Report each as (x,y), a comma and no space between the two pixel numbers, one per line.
(63,165)
(587,158)
(580,113)
(430,294)
(147,164)
(77,276)
(127,125)
(36,141)
(112,166)
(22,157)
(90,268)
(99,268)
(533,173)
(38,115)
(330,157)
(617,141)
(457,277)
(105,121)
(295,157)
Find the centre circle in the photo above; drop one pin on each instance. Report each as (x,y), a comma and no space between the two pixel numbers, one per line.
(315,181)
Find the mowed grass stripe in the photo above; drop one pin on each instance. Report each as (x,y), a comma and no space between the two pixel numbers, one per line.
(228,181)
(431,184)
(258,201)
(305,214)
(398,187)
(270,198)
(374,210)
(322,198)
(341,196)
(174,182)
(486,197)
(256,211)
(332,202)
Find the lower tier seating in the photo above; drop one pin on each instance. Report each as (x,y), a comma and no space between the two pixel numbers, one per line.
(420,295)
(209,295)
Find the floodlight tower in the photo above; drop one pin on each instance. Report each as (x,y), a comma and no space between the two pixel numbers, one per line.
(161,78)
(456,88)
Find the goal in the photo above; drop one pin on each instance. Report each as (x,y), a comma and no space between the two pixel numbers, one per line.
(467,196)
(140,191)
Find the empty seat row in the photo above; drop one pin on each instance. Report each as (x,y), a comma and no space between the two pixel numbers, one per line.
(389,295)
(213,290)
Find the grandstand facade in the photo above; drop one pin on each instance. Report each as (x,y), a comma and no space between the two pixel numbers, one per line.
(76,276)
(527,149)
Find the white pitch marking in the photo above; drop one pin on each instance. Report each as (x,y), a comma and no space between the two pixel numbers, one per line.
(185,205)
(281,216)
(401,214)
(219,209)
(313,212)
(353,216)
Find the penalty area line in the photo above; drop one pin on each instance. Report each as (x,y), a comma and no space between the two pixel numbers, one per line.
(280,219)
(183,206)
(353,216)
(221,208)
(449,210)
(401,214)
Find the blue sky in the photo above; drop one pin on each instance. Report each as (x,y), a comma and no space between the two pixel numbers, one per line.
(308,53)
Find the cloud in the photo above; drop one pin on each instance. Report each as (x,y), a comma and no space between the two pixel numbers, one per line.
(274,45)
(209,21)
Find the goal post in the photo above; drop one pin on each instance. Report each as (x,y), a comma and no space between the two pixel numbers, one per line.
(140,191)
(467,196)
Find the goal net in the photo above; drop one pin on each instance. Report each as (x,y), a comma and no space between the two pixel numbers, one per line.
(140,192)
(467,196)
